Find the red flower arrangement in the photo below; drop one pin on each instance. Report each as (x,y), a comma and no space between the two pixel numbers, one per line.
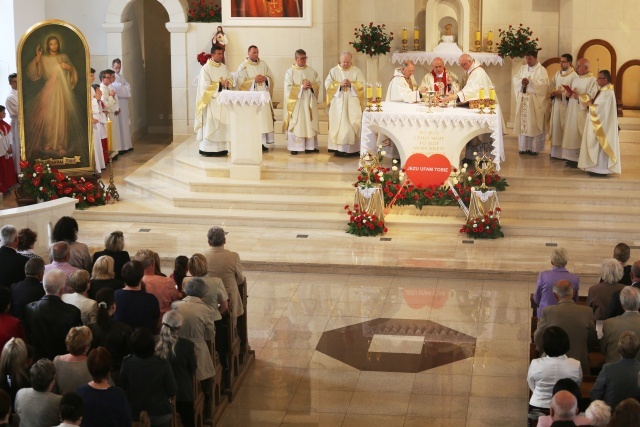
(203,11)
(203,57)
(391,181)
(372,39)
(43,182)
(484,227)
(516,43)
(361,223)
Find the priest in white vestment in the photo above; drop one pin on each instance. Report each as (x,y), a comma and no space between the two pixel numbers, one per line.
(345,100)
(403,86)
(440,79)
(531,86)
(301,90)
(600,150)
(559,102)
(212,119)
(111,107)
(476,79)
(255,75)
(123,90)
(583,90)
(12,109)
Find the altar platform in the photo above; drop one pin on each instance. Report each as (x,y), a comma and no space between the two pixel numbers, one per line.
(294,218)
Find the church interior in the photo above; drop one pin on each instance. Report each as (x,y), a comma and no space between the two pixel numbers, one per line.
(337,321)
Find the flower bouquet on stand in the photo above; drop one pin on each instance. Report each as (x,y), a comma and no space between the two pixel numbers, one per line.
(372,39)
(516,43)
(361,223)
(484,227)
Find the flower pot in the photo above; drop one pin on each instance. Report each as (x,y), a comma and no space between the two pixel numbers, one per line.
(24,199)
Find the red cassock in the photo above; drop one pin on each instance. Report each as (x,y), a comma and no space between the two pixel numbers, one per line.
(7,170)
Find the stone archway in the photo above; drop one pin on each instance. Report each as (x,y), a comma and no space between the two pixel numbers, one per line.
(177,27)
(463,11)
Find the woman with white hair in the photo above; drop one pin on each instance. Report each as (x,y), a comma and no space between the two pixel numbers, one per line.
(180,352)
(543,295)
(599,295)
(103,276)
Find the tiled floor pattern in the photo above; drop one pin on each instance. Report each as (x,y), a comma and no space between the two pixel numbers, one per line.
(293,383)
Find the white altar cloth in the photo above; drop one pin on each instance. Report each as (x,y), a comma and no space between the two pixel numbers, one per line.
(445,130)
(418,57)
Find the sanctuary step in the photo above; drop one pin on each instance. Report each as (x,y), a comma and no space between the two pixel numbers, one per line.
(544,198)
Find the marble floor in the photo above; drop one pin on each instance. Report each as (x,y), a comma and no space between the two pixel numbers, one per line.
(424,329)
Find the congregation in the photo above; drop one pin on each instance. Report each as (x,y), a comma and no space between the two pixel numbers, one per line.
(586,351)
(96,340)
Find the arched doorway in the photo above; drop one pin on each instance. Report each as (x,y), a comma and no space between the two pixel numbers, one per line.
(150,38)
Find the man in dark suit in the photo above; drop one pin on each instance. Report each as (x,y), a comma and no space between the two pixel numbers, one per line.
(48,320)
(613,328)
(11,262)
(28,290)
(576,320)
(615,308)
(618,381)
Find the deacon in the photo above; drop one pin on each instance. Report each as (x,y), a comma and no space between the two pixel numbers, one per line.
(583,89)
(212,119)
(559,101)
(12,109)
(600,149)
(440,79)
(255,75)
(345,101)
(301,90)
(403,86)
(531,86)
(111,107)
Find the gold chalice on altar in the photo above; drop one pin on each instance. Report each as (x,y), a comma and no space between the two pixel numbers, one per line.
(484,166)
(429,98)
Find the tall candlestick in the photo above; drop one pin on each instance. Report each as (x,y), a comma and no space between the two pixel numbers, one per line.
(378,90)
(478,36)
(109,135)
(416,33)
(404,33)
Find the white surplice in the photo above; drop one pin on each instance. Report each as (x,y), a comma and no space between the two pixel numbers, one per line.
(531,107)
(586,87)
(12,109)
(111,104)
(559,110)
(123,90)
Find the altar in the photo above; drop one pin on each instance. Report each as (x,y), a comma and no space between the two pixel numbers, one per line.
(445,130)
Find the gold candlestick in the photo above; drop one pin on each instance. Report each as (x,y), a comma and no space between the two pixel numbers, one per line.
(490,46)
(112,190)
(378,106)
(478,44)
(405,40)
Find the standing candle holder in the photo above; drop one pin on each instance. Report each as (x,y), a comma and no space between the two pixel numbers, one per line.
(490,46)
(478,45)
(481,105)
(378,106)
(111,189)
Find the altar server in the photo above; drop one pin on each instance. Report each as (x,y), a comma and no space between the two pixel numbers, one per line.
(111,106)
(12,109)
(123,90)
(559,102)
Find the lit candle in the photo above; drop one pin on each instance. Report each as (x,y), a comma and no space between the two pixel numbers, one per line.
(369,91)
(492,94)
(416,33)
(109,135)
(481,94)
(404,33)
(478,38)
(378,90)
(490,36)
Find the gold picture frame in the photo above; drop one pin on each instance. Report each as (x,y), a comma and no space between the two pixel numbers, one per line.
(54,97)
